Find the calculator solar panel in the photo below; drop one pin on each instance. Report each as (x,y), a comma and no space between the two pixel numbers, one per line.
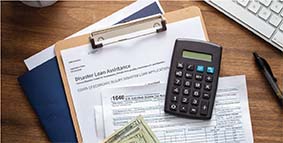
(193,78)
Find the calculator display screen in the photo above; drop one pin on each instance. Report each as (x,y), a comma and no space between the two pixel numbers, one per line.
(197,56)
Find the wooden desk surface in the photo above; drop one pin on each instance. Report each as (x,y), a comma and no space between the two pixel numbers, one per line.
(26,31)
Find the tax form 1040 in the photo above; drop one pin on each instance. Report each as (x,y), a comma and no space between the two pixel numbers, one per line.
(230,121)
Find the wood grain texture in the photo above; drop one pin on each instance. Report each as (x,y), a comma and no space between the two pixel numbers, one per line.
(26,31)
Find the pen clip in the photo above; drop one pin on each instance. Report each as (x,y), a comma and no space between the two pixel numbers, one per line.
(268,68)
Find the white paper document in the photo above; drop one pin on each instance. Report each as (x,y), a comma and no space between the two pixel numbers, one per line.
(230,120)
(48,53)
(133,62)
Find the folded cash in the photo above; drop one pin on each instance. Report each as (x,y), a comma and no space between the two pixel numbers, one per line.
(136,131)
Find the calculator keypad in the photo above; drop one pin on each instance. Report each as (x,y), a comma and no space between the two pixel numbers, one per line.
(191,90)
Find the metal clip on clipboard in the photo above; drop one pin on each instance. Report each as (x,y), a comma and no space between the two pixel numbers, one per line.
(128,30)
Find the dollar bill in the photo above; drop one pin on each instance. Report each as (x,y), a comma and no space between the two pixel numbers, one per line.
(136,131)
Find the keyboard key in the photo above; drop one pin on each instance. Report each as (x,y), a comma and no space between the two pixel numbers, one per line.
(197,85)
(185,100)
(187,84)
(276,6)
(205,95)
(210,70)
(264,13)
(265,2)
(194,102)
(180,65)
(196,93)
(190,67)
(200,68)
(173,107)
(198,77)
(244,3)
(246,18)
(177,81)
(208,78)
(207,87)
(183,108)
(174,98)
(277,38)
(186,91)
(176,90)
(189,75)
(179,73)
(281,27)
(275,20)
(193,110)
(204,107)
(254,7)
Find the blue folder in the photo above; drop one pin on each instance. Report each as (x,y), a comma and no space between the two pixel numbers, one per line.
(44,89)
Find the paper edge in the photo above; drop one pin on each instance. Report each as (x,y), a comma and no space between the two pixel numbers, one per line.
(48,53)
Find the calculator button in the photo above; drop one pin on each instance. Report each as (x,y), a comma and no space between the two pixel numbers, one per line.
(180,65)
(174,98)
(185,100)
(200,68)
(179,73)
(187,83)
(207,87)
(190,67)
(194,102)
(173,107)
(189,75)
(197,85)
(183,108)
(204,107)
(210,70)
(196,93)
(208,78)
(205,95)
(176,90)
(186,91)
(193,110)
(177,82)
(198,77)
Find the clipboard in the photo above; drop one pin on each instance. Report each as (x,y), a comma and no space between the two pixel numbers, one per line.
(171,17)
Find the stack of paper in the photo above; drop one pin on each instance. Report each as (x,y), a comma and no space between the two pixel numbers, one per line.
(43,86)
(142,60)
(138,9)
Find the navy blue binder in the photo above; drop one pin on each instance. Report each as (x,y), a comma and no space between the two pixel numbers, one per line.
(44,89)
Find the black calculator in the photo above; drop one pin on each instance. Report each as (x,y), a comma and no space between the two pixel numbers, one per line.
(193,78)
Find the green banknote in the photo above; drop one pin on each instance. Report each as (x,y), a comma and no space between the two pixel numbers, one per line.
(137,131)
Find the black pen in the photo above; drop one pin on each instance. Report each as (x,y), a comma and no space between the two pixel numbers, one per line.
(265,68)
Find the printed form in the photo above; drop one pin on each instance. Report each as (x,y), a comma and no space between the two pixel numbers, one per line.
(133,62)
(230,120)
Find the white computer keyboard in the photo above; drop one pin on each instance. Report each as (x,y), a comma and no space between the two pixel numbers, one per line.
(263,17)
